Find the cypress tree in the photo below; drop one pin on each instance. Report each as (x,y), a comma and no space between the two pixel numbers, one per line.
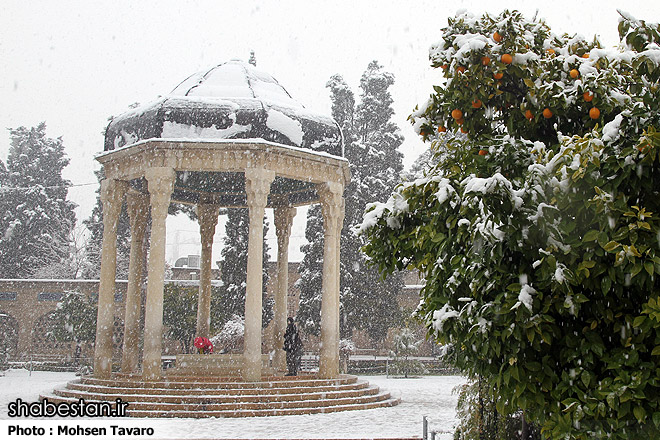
(36,219)
(371,146)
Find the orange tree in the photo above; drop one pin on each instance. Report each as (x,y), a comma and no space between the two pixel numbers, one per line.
(538,232)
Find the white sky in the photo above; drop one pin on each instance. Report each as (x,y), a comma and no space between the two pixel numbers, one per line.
(73,64)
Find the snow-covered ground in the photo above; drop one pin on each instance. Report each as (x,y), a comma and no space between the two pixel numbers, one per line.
(429,396)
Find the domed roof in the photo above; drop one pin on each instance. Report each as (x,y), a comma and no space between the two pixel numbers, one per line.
(233,100)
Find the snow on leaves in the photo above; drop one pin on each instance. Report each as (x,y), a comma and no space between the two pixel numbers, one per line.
(537,232)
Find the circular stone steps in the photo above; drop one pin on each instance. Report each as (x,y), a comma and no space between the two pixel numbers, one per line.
(180,396)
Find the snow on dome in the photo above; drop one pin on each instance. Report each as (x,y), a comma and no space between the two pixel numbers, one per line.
(233,100)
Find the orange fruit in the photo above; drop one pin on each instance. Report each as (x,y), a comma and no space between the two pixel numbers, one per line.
(463,130)
(498,75)
(594,113)
(441,129)
(588,96)
(550,51)
(497,37)
(507,58)
(476,103)
(456,114)
(485,61)
(547,113)
(460,121)
(483,152)
(460,69)
(586,55)
(529,115)
(444,67)
(574,73)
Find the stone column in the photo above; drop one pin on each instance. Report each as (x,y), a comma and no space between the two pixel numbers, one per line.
(332,206)
(137,205)
(257,187)
(208,219)
(283,220)
(112,195)
(161,185)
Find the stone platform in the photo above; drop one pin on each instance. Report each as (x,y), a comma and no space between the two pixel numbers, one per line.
(227,396)
(225,364)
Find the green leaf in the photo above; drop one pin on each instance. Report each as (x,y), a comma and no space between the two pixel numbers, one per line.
(514,287)
(648,266)
(656,419)
(637,322)
(530,334)
(611,400)
(514,373)
(609,247)
(590,236)
(606,284)
(533,366)
(656,351)
(640,414)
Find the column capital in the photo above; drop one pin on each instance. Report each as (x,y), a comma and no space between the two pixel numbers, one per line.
(331,195)
(113,189)
(112,192)
(257,187)
(207,217)
(283,219)
(160,181)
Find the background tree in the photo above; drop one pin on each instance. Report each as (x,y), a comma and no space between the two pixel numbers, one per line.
(234,261)
(180,312)
(76,263)
(538,235)
(311,275)
(230,338)
(371,146)
(404,347)
(35,217)
(75,318)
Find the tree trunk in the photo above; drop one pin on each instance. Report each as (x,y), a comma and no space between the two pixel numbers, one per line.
(524,429)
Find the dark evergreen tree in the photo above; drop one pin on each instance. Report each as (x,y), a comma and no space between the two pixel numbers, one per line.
(35,218)
(75,318)
(311,270)
(371,146)
(343,104)
(234,263)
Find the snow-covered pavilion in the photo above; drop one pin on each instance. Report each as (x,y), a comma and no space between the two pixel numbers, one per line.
(230,136)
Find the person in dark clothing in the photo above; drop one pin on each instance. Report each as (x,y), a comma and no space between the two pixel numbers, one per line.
(293,347)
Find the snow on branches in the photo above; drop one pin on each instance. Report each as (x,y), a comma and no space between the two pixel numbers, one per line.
(537,230)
